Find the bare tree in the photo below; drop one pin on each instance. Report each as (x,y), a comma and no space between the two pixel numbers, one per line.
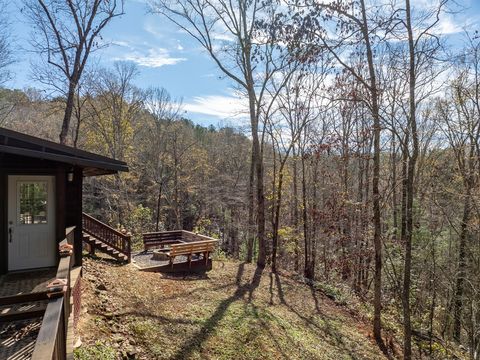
(230,33)
(357,23)
(297,107)
(459,114)
(415,65)
(65,33)
(164,110)
(6,59)
(114,108)
(5,44)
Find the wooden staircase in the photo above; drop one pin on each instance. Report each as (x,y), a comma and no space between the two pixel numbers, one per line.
(101,237)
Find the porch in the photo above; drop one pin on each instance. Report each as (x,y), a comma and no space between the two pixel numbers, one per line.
(37,316)
(41,187)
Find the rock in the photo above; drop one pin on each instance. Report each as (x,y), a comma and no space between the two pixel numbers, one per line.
(101,287)
(131,353)
(118,338)
(114,327)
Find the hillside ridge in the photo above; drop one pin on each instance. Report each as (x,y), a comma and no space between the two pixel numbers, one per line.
(235,311)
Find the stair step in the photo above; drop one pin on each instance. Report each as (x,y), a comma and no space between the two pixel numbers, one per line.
(105,248)
(101,245)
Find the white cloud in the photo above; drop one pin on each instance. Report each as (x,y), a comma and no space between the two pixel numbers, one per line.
(453,19)
(223,107)
(222,36)
(153,29)
(448,26)
(121,43)
(154,58)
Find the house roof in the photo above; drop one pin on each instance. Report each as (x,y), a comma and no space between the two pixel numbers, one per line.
(13,142)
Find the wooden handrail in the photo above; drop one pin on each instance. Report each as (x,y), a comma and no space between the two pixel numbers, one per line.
(195,236)
(169,232)
(108,235)
(90,217)
(52,338)
(162,238)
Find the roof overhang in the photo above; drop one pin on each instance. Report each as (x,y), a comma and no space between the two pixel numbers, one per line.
(15,143)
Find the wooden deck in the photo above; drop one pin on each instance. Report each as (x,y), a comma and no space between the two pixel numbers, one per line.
(17,338)
(25,282)
(17,335)
(34,320)
(145,261)
(187,252)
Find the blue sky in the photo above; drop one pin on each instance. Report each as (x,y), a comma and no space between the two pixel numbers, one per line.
(169,58)
(165,57)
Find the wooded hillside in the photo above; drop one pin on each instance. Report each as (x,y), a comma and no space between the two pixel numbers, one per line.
(359,166)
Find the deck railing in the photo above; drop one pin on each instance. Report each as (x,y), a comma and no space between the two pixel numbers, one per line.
(52,338)
(162,238)
(108,235)
(189,236)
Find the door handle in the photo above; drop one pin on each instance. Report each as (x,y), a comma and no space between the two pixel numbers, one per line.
(10,231)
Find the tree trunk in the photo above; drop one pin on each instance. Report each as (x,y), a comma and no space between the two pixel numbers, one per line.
(360,233)
(175,186)
(258,156)
(410,189)
(159,200)
(377,236)
(313,229)
(462,264)
(394,188)
(305,220)
(295,211)
(434,297)
(68,112)
(366,215)
(277,217)
(251,205)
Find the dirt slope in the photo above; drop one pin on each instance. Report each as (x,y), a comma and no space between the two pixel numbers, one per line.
(234,312)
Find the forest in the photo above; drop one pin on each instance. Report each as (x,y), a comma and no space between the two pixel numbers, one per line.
(359,165)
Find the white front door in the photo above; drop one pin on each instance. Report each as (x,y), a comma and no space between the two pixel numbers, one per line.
(31,222)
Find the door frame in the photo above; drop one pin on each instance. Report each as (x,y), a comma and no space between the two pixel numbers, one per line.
(59,172)
(13,197)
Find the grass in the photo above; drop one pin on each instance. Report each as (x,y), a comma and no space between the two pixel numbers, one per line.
(234,312)
(96,351)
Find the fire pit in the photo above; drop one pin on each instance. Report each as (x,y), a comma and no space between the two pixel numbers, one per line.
(159,254)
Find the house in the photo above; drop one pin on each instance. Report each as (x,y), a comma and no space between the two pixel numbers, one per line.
(41,192)
(42,229)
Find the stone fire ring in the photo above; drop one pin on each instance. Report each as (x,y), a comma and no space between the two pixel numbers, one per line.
(159,254)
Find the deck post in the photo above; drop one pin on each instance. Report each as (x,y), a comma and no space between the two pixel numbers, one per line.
(129,247)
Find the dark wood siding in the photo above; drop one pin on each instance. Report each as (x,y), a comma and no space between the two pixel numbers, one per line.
(3,223)
(68,199)
(60,194)
(73,206)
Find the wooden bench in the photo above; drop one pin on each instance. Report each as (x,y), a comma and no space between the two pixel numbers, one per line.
(197,247)
(160,239)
